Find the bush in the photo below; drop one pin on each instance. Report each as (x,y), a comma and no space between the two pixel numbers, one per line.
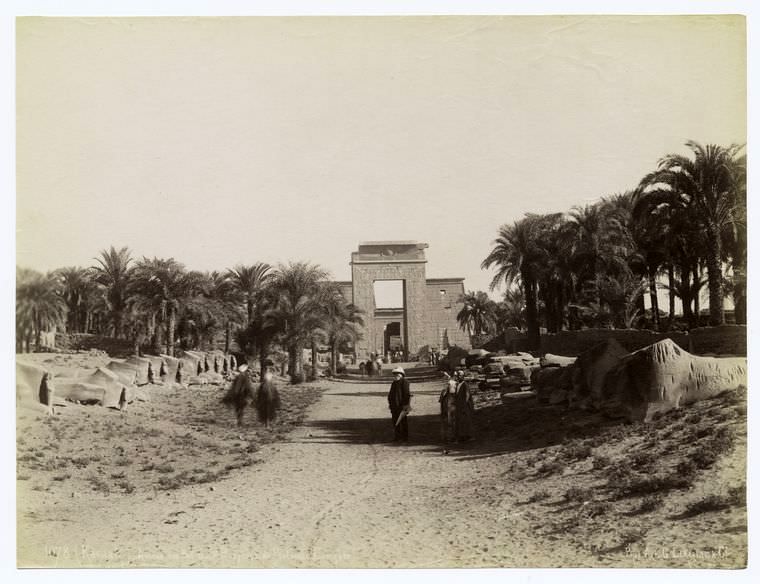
(549,468)
(600,461)
(707,504)
(645,485)
(595,509)
(572,452)
(579,494)
(686,468)
(642,460)
(538,496)
(650,503)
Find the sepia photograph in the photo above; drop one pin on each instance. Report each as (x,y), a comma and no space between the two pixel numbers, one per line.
(364,290)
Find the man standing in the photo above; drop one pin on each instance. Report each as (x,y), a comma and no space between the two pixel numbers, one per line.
(464,408)
(398,402)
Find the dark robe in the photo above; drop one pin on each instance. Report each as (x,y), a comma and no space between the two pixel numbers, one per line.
(398,399)
(240,394)
(464,411)
(267,402)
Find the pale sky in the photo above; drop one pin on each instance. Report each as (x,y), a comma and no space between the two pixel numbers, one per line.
(219,141)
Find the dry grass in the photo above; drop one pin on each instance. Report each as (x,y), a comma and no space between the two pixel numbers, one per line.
(181,436)
(608,485)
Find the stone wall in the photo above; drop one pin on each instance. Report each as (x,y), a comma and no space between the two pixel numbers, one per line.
(720,340)
(443,304)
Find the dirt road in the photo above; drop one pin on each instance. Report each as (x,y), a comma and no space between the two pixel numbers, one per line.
(337,493)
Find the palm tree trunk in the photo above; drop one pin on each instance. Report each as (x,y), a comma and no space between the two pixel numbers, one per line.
(333,358)
(671,294)
(686,297)
(263,350)
(313,374)
(697,308)
(653,298)
(293,361)
(740,296)
(227,336)
(641,308)
(170,332)
(715,276)
(531,314)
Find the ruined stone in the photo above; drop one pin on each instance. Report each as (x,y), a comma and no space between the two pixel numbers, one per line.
(590,370)
(550,360)
(143,367)
(33,388)
(127,373)
(546,380)
(663,376)
(170,370)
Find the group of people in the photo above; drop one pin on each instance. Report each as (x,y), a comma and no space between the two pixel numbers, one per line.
(244,392)
(457,407)
(372,367)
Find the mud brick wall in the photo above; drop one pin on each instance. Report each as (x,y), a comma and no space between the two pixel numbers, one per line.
(720,340)
(730,339)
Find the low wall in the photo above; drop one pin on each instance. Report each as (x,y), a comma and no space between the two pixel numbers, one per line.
(717,340)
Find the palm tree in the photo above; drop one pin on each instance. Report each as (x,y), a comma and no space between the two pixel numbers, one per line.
(165,286)
(39,305)
(712,186)
(255,340)
(478,313)
(79,291)
(218,289)
(556,274)
(342,322)
(112,272)
(511,310)
(249,282)
(601,245)
(296,309)
(518,258)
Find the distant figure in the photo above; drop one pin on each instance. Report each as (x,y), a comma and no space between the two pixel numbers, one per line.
(241,393)
(47,393)
(399,398)
(267,399)
(123,399)
(465,408)
(362,369)
(447,399)
(379,365)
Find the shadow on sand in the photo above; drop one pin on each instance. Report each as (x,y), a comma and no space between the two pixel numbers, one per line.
(517,426)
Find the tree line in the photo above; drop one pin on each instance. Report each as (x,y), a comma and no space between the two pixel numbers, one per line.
(161,306)
(684,224)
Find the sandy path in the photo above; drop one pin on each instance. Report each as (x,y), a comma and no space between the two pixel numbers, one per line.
(336,494)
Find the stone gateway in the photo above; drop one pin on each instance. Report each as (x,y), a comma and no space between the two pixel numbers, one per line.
(427,317)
